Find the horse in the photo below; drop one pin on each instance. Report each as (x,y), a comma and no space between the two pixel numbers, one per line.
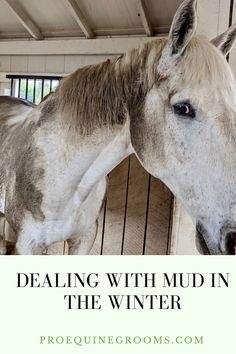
(171,102)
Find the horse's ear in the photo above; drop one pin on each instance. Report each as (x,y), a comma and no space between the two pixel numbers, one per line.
(183,26)
(225,41)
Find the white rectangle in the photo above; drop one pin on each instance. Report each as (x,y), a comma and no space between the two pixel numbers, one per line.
(34,315)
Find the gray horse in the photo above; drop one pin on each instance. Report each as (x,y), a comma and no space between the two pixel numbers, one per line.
(171,102)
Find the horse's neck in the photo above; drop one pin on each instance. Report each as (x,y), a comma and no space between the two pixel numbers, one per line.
(109,156)
(79,166)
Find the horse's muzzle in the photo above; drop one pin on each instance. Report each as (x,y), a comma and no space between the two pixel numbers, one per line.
(227,245)
(228,240)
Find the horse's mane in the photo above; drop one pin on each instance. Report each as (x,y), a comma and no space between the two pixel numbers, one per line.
(102,94)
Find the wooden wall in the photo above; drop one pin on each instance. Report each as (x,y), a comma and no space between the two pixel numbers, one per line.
(137,213)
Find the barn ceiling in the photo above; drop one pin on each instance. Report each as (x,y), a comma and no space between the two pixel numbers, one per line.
(42,19)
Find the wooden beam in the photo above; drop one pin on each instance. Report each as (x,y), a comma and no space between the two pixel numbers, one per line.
(103,46)
(101,32)
(145,18)
(79,18)
(24,19)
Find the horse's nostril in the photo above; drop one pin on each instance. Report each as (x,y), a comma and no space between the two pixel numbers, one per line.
(230,242)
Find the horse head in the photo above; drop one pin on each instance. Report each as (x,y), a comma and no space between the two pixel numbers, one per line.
(187,133)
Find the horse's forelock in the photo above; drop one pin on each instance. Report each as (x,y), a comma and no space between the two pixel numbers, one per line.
(203,65)
(102,94)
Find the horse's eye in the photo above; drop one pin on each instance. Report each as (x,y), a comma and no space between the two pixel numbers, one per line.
(184,109)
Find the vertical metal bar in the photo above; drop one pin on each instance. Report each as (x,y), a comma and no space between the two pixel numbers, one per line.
(19,81)
(42,92)
(103,226)
(50,89)
(170,224)
(231,12)
(34,90)
(26,89)
(126,207)
(147,211)
(12,83)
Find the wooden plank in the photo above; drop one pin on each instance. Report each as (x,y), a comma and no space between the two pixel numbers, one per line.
(213,17)
(79,17)
(145,18)
(225,7)
(5,63)
(56,249)
(19,63)
(183,232)
(36,64)
(136,209)
(65,248)
(26,21)
(55,64)
(122,31)
(115,209)
(96,249)
(158,218)
(99,46)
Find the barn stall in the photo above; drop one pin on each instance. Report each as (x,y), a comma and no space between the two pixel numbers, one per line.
(42,41)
